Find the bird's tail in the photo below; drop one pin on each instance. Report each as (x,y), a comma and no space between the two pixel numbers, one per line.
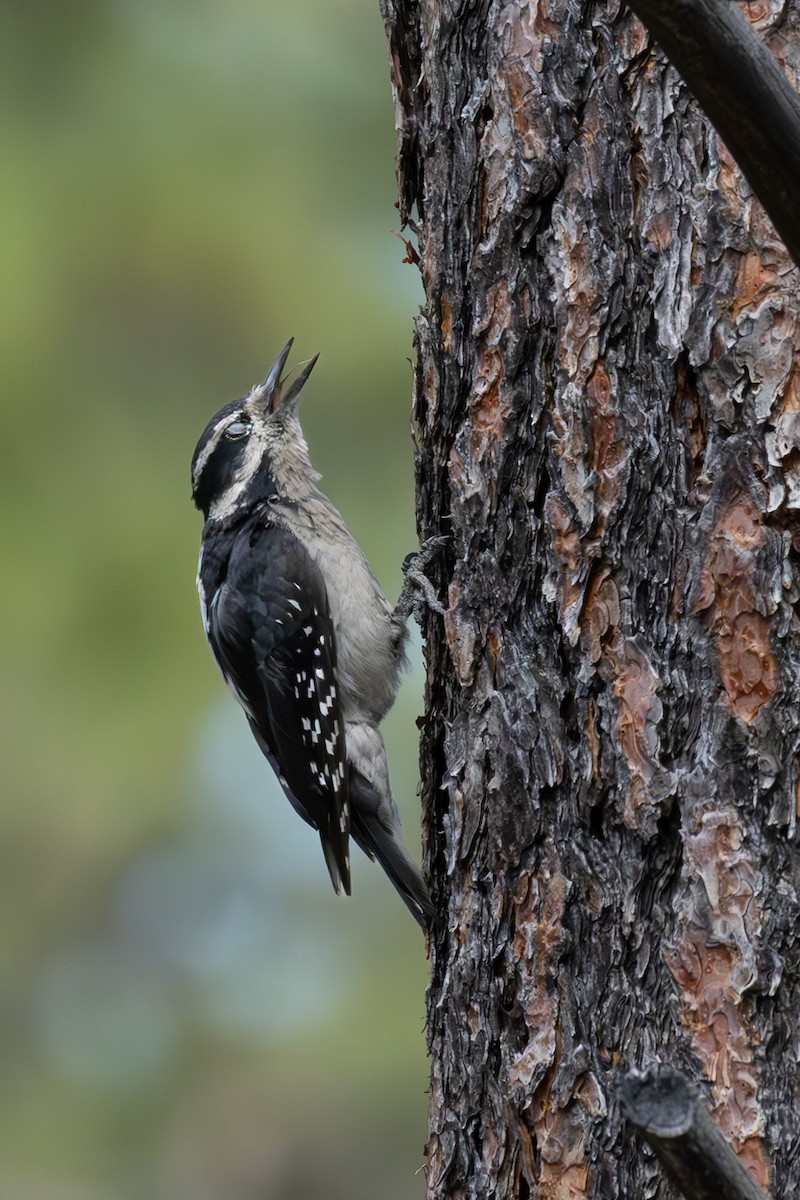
(375,827)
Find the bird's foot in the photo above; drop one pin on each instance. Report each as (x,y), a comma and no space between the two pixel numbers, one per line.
(419,594)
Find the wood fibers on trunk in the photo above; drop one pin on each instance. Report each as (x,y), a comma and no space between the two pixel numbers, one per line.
(607,413)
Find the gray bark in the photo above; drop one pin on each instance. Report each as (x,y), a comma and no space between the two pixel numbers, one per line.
(607,413)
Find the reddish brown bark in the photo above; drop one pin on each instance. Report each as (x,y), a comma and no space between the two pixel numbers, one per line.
(606,411)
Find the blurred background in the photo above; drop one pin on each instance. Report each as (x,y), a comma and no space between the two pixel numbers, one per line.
(187,1010)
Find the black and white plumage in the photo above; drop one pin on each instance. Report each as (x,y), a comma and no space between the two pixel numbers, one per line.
(301,630)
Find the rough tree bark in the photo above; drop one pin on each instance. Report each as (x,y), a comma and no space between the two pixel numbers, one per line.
(607,411)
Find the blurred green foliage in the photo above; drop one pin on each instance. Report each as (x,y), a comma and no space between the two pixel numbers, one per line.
(187,1009)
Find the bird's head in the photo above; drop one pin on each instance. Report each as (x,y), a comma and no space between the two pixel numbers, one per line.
(253,448)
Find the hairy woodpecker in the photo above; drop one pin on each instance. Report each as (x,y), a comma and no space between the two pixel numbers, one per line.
(303,634)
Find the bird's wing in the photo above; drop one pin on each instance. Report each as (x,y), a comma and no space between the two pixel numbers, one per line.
(271,631)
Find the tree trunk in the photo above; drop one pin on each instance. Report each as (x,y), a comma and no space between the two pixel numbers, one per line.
(607,412)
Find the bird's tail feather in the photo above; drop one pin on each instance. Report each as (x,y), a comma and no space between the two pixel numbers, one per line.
(379,835)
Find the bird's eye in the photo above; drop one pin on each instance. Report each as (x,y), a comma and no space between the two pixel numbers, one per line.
(238,430)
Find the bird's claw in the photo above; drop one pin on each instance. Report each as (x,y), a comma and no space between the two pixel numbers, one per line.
(418,592)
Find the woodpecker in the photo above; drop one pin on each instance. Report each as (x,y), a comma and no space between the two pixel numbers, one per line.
(303,633)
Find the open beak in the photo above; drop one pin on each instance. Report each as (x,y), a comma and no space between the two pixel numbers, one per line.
(270,390)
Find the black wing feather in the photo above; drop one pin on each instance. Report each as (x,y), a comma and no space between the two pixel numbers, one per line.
(270,629)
